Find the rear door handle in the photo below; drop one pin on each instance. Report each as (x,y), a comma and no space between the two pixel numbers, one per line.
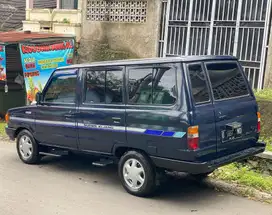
(116,120)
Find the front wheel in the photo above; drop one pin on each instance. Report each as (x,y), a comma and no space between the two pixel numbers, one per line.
(27,148)
(137,174)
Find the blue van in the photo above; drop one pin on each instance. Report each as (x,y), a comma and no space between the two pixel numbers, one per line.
(187,114)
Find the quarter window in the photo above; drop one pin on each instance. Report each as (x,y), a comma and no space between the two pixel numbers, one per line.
(227,80)
(153,85)
(104,87)
(62,88)
(199,83)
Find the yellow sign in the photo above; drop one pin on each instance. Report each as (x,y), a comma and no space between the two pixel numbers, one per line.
(53,60)
(49,66)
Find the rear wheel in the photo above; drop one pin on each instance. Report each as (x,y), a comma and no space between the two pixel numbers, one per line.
(27,148)
(137,174)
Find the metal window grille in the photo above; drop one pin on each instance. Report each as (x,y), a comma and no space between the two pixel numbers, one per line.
(218,27)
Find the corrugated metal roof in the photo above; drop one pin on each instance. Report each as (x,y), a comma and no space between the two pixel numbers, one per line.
(14,36)
(12,12)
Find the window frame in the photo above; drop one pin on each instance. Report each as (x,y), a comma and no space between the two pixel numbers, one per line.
(73,71)
(242,73)
(207,83)
(175,65)
(101,69)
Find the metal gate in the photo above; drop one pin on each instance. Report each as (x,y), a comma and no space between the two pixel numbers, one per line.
(218,27)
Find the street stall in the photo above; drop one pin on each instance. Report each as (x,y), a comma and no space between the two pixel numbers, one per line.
(26,62)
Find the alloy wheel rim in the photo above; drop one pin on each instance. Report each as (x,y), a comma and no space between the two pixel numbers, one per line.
(134,174)
(25,147)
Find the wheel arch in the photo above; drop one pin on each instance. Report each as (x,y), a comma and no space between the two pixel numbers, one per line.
(120,150)
(18,130)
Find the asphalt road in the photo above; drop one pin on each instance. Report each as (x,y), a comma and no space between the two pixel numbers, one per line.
(74,187)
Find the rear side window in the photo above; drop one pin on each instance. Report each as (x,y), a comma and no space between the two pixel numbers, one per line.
(227,80)
(62,88)
(104,87)
(155,85)
(199,83)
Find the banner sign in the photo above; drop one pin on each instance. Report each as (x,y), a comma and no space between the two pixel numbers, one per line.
(2,63)
(39,61)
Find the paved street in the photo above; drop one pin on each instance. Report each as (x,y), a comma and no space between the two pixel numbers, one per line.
(74,187)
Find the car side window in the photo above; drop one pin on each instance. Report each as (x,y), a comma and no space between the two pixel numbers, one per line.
(156,85)
(103,87)
(95,87)
(198,83)
(114,87)
(140,86)
(62,88)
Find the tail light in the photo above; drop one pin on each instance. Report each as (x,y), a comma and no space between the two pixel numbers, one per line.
(259,122)
(193,138)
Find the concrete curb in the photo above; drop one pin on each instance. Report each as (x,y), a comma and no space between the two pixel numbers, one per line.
(265,155)
(229,187)
(238,190)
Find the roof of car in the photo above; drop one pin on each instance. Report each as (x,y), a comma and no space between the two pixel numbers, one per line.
(151,61)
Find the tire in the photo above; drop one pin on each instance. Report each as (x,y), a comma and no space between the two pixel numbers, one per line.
(27,148)
(137,174)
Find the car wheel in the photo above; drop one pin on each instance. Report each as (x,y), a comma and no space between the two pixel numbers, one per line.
(137,174)
(27,148)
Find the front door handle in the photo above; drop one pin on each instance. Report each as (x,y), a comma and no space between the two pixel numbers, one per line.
(70,114)
(221,116)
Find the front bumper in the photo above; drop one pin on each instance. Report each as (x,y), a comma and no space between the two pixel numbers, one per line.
(205,167)
(11,133)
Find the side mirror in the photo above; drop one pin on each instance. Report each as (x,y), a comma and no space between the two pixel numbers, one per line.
(38,98)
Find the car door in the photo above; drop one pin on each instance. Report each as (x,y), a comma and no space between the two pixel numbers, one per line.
(235,107)
(203,111)
(156,116)
(101,113)
(55,115)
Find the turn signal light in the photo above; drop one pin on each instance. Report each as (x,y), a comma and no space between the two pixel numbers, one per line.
(193,138)
(259,122)
(7,117)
